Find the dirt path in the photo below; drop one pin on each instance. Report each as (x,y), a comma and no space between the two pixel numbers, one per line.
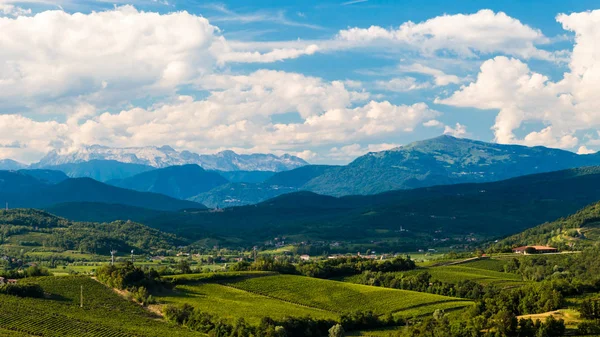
(155,309)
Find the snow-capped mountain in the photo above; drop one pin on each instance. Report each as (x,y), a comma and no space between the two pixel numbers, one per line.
(167,156)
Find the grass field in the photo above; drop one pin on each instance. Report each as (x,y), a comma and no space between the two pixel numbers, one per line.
(340,297)
(104,313)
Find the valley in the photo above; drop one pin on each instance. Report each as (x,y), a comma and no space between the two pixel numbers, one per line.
(438,257)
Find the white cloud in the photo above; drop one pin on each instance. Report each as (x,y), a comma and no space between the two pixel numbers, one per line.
(467,35)
(433,123)
(279,54)
(521,95)
(117,54)
(402,84)
(440,78)
(584,150)
(236,114)
(458,130)
(112,57)
(12,10)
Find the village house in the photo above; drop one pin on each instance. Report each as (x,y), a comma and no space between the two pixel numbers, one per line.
(4,281)
(535,250)
(305,257)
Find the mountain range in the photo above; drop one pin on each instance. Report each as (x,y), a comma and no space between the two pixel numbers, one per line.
(443,160)
(166,156)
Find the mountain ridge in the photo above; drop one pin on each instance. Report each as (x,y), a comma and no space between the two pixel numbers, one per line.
(165,156)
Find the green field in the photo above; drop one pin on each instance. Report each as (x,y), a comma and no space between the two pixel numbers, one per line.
(458,273)
(486,264)
(231,303)
(339,297)
(104,313)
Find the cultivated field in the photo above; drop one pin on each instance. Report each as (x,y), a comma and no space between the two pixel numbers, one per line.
(104,313)
(231,303)
(340,297)
(454,274)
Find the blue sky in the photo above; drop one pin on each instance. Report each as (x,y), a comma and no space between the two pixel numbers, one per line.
(325,80)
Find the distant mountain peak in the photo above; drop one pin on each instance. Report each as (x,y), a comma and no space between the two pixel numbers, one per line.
(9,164)
(165,156)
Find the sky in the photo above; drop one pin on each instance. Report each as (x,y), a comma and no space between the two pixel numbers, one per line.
(323,80)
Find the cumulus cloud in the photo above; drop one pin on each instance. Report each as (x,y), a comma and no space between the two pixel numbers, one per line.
(458,130)
(467,35)
(117,54)
(584,150)
(112,56)
(12,10)
(236,114)
(440,78)
(433,123)
(521,95)
(402,84)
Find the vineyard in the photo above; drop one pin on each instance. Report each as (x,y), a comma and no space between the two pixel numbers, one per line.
(104,313)
(231,303)
(455,274)
(340,297)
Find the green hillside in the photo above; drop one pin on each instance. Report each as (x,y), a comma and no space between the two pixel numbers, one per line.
(277,296)
(104,313)
(32,230)
(340,297)
(574,232)
(25,191)
(442,212)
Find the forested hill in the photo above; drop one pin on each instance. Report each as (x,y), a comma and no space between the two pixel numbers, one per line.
(36,228)
(573,232)
(23,190)
(489,209)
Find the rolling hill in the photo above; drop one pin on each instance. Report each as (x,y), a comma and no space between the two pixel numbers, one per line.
(42,229)
(180,182)
(439,215)
(573,232)
(24,191)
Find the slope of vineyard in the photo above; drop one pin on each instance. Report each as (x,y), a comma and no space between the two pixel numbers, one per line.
(340,297)
(231,303)
(458,273)
(104,312)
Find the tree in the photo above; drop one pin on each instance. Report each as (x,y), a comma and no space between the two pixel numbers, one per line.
(184,267)
(336,331)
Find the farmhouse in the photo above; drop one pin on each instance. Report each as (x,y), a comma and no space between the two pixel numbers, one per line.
(305,257)
(7,281)
(536,249)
